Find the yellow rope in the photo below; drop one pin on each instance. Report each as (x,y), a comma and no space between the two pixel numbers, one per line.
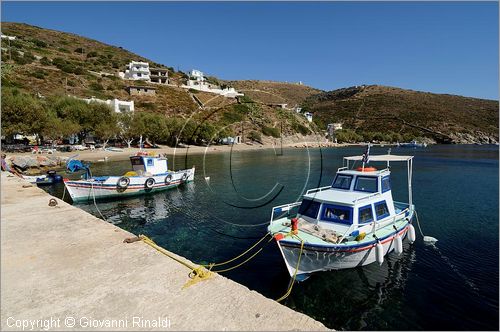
(240,264)
(197,273)
(295,274)
(240,255)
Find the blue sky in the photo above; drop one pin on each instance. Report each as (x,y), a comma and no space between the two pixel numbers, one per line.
(443,47)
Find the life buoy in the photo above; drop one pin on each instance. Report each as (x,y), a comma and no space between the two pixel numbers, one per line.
(366,169)
(123,182)
(149,183)
(184,177)
(168,179)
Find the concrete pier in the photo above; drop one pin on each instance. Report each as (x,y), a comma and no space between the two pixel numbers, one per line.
(64,269)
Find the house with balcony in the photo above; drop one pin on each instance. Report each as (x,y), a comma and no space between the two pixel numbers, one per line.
(137,70)
(159,75)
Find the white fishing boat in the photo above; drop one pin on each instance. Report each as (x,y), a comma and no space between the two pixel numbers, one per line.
(353,222)
(412,144)
(149,174)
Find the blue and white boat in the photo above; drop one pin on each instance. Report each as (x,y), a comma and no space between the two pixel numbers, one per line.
(353,222)
(412,144)
(149,174)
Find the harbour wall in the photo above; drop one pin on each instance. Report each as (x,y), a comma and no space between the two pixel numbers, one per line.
(65,269)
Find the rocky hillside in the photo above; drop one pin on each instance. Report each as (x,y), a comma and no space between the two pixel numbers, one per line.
(441,117)
(46,62)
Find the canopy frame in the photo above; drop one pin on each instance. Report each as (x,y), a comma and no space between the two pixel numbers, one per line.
(388,158)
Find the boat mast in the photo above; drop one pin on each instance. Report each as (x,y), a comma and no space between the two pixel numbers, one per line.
(409,165)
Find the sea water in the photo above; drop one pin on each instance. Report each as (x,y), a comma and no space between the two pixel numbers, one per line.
(451,285)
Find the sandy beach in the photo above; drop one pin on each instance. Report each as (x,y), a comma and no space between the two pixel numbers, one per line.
(106,155)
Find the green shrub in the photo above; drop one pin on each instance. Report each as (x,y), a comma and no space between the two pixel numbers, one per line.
(39,43)
(255,136)
(270,131)
(348,136)
(231,117)
(45,61)
(245,99)
(79,50)
(300,128)
(40,74)
(92,54)
(193,91)
(96,86)
(62,49)
(24,59)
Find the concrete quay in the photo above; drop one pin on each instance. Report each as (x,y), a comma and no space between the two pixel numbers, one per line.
(64,269)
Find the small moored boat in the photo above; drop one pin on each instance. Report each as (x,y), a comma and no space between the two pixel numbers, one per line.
(412,144)
(149,174)
(353,222)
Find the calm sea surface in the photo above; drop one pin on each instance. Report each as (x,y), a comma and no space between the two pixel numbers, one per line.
(450,286)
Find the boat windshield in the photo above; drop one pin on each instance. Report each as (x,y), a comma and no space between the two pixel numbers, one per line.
(366,184)
(342,182)
(309,208)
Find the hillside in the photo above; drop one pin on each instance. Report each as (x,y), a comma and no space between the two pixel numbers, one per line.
(46,62)
(388,110)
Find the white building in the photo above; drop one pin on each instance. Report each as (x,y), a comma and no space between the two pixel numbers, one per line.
(298,109)
(197,82)
(137,70)
(196,75)
(119,106)
(8,37)
(308,116)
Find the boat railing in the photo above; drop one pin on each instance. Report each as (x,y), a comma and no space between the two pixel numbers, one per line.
(283,208)
(365,197)
(342,169)
(315,190)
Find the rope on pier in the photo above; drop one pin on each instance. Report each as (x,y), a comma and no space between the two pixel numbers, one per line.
(196,274)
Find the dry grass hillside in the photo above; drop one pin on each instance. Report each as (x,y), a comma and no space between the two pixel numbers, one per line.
(376,108)
(268,92)
(46,62)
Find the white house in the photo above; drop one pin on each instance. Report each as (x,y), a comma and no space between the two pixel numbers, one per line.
(8,37)
(119,106)
(196,75)
(197,82)
(308,116)
(298,109)
(137,70)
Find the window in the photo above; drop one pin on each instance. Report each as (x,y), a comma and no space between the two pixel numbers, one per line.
(365,183)
(150,162)
(336,213)
(386,184)
(381,210)
(342,182)
(365,214)
(309,208)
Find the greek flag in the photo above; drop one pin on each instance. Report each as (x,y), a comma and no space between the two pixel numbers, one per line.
(366,155)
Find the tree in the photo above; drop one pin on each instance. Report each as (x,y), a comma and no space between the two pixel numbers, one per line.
(107,130)
(21,113)
(56,128)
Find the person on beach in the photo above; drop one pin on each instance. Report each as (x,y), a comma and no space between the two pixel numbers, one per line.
(6,168)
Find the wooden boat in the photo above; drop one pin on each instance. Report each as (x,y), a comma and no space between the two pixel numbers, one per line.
(149,174)
(353,222)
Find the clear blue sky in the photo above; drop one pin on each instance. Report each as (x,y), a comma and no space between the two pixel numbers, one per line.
(439,47)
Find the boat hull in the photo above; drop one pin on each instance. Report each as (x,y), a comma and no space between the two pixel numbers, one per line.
(88,190)
(324,258)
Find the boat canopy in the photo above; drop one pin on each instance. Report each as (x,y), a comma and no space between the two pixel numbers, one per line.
(382,157)
(388,158)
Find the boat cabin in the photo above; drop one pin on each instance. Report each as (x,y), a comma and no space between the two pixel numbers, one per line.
(143,165)
(356,198)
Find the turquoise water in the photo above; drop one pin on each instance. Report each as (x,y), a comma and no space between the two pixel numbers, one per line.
(450,286)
